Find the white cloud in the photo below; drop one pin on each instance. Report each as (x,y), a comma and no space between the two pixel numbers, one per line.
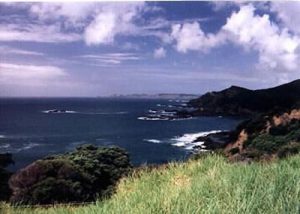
(112,20)
(71,13)
(276,47)
(10,50)
(159,53)
(35,33)
(11,73)
(111,58)
(221,5)
(101,30)
(288,13)
(189,36)
(95,23)
(18,79)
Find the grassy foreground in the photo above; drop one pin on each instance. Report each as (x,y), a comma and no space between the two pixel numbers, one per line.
(208,185)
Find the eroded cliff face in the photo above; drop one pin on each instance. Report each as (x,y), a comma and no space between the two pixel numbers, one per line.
(242,137)
(286,118)
(266,137)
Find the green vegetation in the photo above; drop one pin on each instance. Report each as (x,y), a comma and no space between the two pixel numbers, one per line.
(208,185)
(83,175)
(5,160)
(281,141)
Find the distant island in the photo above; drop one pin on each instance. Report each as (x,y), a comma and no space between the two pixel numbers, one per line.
(173,96)
(233,101)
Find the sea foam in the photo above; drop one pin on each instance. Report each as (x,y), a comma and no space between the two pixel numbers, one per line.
(187,140)
(152,140)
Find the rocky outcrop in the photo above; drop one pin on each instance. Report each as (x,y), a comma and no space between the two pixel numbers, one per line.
(266,136)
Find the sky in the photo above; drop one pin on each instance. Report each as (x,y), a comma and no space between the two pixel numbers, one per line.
(105,48)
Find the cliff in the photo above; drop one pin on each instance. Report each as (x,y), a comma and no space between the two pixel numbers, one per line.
(266,136)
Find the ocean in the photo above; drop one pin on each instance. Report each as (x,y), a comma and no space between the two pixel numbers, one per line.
(30,131)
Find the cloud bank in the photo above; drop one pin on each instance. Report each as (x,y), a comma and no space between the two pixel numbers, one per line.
(276,46)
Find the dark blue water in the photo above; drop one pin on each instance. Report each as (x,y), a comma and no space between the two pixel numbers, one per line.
(30,134)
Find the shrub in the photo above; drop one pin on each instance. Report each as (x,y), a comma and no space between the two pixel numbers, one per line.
(253,154)
(279,130)
(5,192)
(266,143)
(83,175)
(288,150)
(234,150)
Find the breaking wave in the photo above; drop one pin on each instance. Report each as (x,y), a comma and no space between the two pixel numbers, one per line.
(187,140)
(152,140)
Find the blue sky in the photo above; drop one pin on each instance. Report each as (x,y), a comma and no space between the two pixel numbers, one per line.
(96,48)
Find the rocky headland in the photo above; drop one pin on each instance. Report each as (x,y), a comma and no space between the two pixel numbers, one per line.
(271,128)
(238,101)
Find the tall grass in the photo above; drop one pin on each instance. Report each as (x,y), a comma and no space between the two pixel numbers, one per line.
(208,185)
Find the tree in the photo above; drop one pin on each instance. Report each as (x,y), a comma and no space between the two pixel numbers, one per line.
(83,175)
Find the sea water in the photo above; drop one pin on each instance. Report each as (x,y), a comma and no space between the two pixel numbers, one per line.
(30,131)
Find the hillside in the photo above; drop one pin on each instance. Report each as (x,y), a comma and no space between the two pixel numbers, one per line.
(208,185)
(238,101)
(266,136)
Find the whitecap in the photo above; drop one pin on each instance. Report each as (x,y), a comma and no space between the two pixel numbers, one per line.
(179,119)
(168,112)
(57,111)
(4,146)
(179,144)
(104,113)
(151,118)
(29,146)
(187,140)
(78,142)
(2,136)
(152,140)
(70,112)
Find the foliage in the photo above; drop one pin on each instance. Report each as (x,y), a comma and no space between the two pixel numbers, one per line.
(83,175)
(234,150)
(267,140)
(266,143)
(5,160)
(208,185)
(288,150)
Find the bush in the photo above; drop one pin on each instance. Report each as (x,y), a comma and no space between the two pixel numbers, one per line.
(279,130)
(5,192)
(253,154)
(288,150)
(83,175)
(234,150)
(266,143)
